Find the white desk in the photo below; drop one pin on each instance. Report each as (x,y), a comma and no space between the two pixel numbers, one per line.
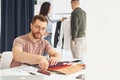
(25,71)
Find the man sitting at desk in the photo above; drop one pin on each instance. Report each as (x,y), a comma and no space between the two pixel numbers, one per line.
(29,48)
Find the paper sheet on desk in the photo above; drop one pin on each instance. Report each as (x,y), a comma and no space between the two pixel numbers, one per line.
(13,72)
(21,70)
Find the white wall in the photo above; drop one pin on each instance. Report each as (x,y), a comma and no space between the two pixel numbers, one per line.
(64,6)
(103,40)
(59,6)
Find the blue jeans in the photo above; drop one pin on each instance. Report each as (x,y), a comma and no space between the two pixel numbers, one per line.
(48,38)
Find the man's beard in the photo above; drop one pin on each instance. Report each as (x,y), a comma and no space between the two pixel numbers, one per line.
(37,35)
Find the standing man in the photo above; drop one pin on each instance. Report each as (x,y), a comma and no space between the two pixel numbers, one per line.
(78,26)
(29,48)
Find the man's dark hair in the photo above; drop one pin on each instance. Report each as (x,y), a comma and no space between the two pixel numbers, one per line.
(45,8)
(39,17)
(74,0)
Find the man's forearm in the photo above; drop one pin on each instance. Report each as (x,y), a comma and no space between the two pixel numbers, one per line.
(25,57)
(58,57)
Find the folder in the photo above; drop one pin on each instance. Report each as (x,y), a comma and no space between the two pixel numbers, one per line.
(70,69)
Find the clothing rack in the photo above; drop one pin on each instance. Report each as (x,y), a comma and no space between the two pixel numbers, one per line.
(62,13)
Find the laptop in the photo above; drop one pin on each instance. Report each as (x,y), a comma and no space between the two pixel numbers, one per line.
(29,77)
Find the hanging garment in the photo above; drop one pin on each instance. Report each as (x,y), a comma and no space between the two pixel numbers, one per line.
(57,33)
(65,32)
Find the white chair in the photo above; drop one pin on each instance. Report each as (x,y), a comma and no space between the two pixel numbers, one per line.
(6,59)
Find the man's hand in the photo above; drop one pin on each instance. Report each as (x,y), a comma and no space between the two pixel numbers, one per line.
(72,42)
(43,63)
(53,61)
(45,34)
(62,19)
